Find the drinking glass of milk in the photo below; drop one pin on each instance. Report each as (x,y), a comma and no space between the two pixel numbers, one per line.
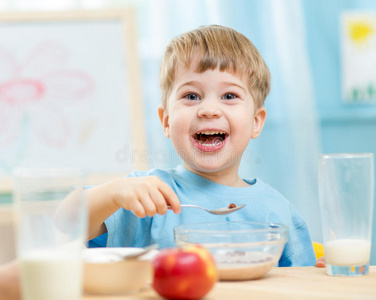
(51,218)
(346,186)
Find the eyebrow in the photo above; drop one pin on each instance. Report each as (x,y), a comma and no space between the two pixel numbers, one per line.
(193,82)
(224,83)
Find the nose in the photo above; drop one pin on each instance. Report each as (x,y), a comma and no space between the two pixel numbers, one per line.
(209,108)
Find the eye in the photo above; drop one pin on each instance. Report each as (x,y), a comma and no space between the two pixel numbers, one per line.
(229,96)
(192,97)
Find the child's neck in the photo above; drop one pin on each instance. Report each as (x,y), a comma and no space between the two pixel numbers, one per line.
(224,177)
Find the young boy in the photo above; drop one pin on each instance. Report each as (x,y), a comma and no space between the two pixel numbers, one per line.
(214,83)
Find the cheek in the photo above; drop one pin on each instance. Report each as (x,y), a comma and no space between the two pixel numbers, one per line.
(243,119)
(242,130)
(180,119)
(178,128)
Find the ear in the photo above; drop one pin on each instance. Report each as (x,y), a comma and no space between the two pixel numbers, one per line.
(258,122)
(164,118)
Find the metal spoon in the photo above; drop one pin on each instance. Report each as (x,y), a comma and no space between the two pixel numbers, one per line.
(218,211)
(141,253)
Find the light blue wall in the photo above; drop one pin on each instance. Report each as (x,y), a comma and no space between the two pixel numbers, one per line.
(344,127)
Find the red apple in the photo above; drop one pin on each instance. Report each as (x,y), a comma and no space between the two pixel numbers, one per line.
(187,273)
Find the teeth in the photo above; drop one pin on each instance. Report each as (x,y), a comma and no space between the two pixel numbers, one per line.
(216,143)
(211,132)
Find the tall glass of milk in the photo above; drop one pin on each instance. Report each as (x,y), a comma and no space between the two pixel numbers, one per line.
(51,221)
(346,187)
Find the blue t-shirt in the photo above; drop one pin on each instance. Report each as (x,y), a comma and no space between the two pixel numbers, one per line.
(263,204)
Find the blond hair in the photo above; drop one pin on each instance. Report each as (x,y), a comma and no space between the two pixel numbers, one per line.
(215,46)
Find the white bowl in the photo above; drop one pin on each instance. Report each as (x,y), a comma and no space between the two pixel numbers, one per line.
(241,250)
(105,273)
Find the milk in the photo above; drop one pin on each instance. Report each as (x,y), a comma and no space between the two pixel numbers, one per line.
(51,277)
(347,252)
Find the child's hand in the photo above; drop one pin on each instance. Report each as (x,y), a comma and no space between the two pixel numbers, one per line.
(320,263)
(144,195)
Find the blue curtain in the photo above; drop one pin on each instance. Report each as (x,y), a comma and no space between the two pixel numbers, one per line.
(299,41)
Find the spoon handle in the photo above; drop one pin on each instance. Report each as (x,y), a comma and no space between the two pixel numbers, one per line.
(191,205)
(188,205)
(144,251)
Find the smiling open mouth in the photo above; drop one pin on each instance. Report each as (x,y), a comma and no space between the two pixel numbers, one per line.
(210,138)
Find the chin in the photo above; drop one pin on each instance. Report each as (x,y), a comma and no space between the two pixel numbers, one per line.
(210,168)
(212,162)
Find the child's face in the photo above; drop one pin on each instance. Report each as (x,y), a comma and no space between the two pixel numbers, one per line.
(210,118)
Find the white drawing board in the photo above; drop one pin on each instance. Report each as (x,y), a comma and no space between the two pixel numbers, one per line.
(70,92)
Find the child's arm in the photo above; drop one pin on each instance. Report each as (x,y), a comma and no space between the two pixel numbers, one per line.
(10,281)
(143,195)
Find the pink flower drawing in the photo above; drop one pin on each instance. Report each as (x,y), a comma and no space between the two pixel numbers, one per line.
(35,88)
